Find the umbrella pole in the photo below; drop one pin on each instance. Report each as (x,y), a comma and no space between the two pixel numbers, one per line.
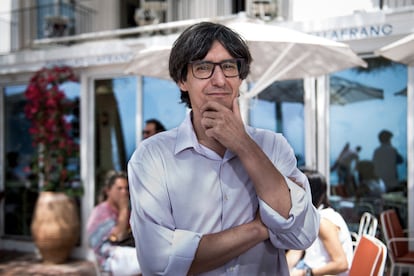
(279,117)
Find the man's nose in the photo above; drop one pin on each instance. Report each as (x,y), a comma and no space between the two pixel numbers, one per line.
(218,77)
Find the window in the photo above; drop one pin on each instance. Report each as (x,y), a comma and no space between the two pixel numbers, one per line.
(21,187)
(280,108)
(55,18)
(116,115)
(363,105)
(161,100)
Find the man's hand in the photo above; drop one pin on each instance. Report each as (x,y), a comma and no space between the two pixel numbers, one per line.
(223,124)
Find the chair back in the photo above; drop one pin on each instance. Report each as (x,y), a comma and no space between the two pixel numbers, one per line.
(368,225)
(369,257)
(391,228)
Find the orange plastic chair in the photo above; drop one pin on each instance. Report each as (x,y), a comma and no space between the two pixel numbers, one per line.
(370,257)
(397,242)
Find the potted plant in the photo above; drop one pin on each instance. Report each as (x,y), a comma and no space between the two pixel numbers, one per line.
(55,223)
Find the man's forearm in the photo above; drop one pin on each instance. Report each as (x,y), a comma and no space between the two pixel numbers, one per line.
(269,183)
(214,250)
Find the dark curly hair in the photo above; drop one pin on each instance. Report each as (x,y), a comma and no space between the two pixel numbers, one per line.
(194,44)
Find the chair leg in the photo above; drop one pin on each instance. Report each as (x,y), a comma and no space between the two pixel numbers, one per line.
(392,270)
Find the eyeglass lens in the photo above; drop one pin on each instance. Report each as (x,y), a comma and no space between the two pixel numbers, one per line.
(205,69)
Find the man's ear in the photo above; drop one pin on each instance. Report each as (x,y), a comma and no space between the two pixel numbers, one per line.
(182,85)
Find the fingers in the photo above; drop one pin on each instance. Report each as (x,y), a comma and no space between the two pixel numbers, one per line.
(222,123)
(236,109)
(210,113)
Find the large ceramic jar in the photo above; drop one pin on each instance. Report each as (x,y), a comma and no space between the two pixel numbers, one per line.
(55,226)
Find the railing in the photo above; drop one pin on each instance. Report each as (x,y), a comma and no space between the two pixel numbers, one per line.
(46,21)
(392,4)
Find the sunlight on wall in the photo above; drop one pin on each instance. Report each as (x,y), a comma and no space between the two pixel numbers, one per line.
(328,8)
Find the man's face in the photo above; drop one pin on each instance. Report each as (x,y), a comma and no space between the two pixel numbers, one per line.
(216,88)
(149,130)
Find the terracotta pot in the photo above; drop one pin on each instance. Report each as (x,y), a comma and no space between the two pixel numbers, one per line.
(55,226)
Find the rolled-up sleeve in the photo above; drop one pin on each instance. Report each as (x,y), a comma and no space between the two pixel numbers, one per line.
(161,248)
(301,228)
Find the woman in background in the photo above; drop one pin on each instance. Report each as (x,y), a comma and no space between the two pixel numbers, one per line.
(108,228)
(332,252)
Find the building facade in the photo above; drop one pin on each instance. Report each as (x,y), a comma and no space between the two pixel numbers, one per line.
(98,39)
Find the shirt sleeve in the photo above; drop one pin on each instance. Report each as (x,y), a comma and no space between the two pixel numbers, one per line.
(301,228)
(161,248)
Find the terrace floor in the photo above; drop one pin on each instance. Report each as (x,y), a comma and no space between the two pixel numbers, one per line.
(27,264)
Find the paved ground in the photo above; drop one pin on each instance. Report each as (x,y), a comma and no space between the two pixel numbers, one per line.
(27,264)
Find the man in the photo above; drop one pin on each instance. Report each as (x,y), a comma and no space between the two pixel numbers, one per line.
(152,126)
(386,158)
(213,196)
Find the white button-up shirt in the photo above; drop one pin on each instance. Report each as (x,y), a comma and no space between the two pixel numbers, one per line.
(181,190)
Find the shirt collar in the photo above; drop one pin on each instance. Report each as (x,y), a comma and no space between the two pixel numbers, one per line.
(186,138)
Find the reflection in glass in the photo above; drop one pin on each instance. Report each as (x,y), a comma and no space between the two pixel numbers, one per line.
(377,104)
(280,108)
(161,100)
(114,115)
(21,187)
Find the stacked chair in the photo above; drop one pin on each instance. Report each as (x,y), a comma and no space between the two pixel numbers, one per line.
(370,257)
(368,225)
(397,242)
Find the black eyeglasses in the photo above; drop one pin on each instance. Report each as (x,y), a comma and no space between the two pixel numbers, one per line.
(204,69)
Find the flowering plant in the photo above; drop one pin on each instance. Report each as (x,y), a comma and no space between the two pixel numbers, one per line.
(47,109)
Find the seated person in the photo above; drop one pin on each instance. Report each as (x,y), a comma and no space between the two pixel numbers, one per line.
(108,227)
(332,252)
(370,185)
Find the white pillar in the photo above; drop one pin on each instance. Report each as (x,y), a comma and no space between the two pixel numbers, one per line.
(410,151)
(5,26)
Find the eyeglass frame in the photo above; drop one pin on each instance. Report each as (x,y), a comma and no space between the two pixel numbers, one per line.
(240,62)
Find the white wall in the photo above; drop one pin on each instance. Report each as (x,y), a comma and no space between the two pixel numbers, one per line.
(318,9)
(106,16)
(190,9)
(5,19)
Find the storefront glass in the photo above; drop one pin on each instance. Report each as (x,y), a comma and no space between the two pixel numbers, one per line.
(115,127)
(116,115)
(21,187)
(161,101)
(280,108)
(368,107)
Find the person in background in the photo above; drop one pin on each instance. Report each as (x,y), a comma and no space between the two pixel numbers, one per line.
(385,159)
(369,184)
(345,166)
(108,228)
(332,252)
(152,126)
(214,196)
